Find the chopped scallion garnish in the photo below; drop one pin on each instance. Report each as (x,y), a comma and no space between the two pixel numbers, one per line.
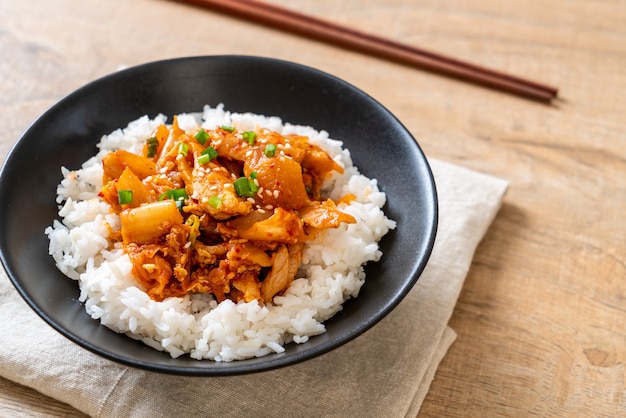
(242,187)
(203,159)
(124,197)
(210,151)
(249,137)
(207,155)
(202,136)
(215,201)
(176,194)
(270,150)
(253,175)
(183,149)
(153,146)
(253,186)
(228,128)
(245,187)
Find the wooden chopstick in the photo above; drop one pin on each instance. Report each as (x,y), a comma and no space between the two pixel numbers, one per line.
(309,26)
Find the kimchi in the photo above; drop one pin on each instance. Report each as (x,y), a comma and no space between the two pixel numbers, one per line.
(220,211)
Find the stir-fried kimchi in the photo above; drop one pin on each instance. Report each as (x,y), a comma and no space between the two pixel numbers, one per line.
(219,211)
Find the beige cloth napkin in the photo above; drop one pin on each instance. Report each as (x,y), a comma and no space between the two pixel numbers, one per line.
(385,372)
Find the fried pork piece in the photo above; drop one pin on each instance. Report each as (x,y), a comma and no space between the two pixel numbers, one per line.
(324,215)
(279,226)
(281,175)
(221,211)
(285,264)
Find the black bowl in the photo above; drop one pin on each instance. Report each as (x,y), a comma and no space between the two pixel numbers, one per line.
(66,135)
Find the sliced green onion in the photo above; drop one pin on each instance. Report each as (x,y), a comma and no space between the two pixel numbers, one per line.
(253,186)
(125,197)
(228,128)
(249,137)
(245,187)
(153,145)
(180,194)
(270,150)
(207,155)
(202,136)
(215,201)
(210,151)
(253,175)
(183,149)
(242,187)
(203,159)
(176,194)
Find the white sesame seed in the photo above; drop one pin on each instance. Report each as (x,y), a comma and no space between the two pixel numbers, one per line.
(260,209)
(268,192)
(276,193)
(269,207)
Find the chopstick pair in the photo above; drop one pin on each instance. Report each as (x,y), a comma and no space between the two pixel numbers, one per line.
(308,26)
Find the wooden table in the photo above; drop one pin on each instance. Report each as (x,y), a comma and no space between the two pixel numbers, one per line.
(541,321)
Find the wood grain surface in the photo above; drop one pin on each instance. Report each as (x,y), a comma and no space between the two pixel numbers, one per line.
(541,320)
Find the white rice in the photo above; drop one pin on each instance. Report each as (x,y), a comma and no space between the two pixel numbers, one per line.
(331,272)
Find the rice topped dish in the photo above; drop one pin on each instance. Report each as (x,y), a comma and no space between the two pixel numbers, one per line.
(218,235)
